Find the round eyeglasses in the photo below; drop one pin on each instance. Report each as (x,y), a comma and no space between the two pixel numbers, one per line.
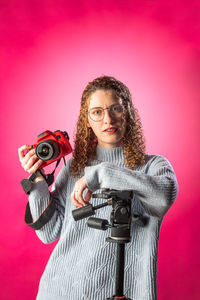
(97,113)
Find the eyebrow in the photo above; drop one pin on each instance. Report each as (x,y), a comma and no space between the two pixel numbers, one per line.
(102,107)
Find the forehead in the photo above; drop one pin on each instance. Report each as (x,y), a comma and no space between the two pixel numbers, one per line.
(103,98)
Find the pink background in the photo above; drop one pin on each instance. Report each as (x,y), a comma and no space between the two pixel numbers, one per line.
(49,50)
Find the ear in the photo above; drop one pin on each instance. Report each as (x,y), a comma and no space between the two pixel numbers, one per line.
(88,125)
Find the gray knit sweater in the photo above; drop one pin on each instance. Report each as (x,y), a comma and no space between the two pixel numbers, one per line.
(82,265)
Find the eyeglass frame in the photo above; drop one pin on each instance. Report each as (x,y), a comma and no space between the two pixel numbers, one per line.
(103,109)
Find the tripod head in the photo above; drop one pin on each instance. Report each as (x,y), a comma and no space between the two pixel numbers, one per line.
(120,218)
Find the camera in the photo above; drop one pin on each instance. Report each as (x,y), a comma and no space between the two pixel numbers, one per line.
(51,146)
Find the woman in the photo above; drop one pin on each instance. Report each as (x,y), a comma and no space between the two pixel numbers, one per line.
(109,153)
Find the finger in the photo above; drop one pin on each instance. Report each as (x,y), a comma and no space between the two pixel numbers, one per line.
(21,151)
(88,196)
(27,157)
(79,197)
(76,204)
(35,167)
(75,201)
(30,162)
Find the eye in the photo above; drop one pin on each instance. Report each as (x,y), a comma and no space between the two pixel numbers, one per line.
(117,108)
(97,111)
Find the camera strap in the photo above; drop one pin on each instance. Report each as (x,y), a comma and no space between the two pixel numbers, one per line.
(49,211)
(49,178)
(43,218)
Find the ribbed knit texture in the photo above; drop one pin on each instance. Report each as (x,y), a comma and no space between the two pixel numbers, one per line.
(82,265)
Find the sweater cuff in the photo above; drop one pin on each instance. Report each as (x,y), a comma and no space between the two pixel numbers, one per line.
(39,198)
(92,177)
(39,188)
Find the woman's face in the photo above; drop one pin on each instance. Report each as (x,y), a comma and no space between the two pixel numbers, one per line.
(111,128)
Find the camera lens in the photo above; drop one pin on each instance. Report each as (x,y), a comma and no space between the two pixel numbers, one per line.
(47,150)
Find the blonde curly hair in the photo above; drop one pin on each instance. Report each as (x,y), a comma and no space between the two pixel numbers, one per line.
(85,141)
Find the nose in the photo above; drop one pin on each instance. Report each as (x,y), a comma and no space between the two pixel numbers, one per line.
(107,116)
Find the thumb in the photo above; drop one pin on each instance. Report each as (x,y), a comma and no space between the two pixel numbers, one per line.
(88,196)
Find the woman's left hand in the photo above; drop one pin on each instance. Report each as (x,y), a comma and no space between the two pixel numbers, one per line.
(77,193)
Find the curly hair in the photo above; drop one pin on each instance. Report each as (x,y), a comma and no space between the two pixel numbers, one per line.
(85,141)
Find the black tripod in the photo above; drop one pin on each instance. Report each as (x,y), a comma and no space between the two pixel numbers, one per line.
(120,219)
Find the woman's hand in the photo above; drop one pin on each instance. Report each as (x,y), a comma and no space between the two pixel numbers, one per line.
(76,195)
(29,161)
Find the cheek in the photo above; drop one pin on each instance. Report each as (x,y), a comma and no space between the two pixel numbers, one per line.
(95,128)
(92,126)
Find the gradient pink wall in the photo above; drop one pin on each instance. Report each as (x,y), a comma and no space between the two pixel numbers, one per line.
(49,50)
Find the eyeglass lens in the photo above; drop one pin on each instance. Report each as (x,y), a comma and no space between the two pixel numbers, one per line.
(97,113)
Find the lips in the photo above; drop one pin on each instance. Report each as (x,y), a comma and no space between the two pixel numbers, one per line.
(110,130)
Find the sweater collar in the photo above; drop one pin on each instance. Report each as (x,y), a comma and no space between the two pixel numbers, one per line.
(112,155)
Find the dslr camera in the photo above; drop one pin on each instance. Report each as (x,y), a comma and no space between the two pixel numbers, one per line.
(51,146)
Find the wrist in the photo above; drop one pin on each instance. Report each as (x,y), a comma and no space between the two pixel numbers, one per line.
(39,176)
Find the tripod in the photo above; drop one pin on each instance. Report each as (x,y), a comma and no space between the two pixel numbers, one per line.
(120,219)
(119,279)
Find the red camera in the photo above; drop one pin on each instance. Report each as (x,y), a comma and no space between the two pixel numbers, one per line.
(51,146)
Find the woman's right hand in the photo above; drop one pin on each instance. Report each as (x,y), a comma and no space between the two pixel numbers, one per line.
(29,160)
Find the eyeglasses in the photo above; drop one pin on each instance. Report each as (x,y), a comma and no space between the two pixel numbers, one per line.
(97,113)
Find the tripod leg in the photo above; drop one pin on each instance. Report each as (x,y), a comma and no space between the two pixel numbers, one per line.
(119,284)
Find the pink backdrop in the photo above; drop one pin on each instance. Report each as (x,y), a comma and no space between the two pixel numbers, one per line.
(49,50)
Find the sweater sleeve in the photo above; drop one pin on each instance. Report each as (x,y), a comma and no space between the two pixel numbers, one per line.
(156,187)
(39,200)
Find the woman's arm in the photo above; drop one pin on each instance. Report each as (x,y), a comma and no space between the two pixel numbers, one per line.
(156,188)
(39,200)
(39,197)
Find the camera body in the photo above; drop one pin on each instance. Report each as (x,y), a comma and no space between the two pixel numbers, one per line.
(51,146)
